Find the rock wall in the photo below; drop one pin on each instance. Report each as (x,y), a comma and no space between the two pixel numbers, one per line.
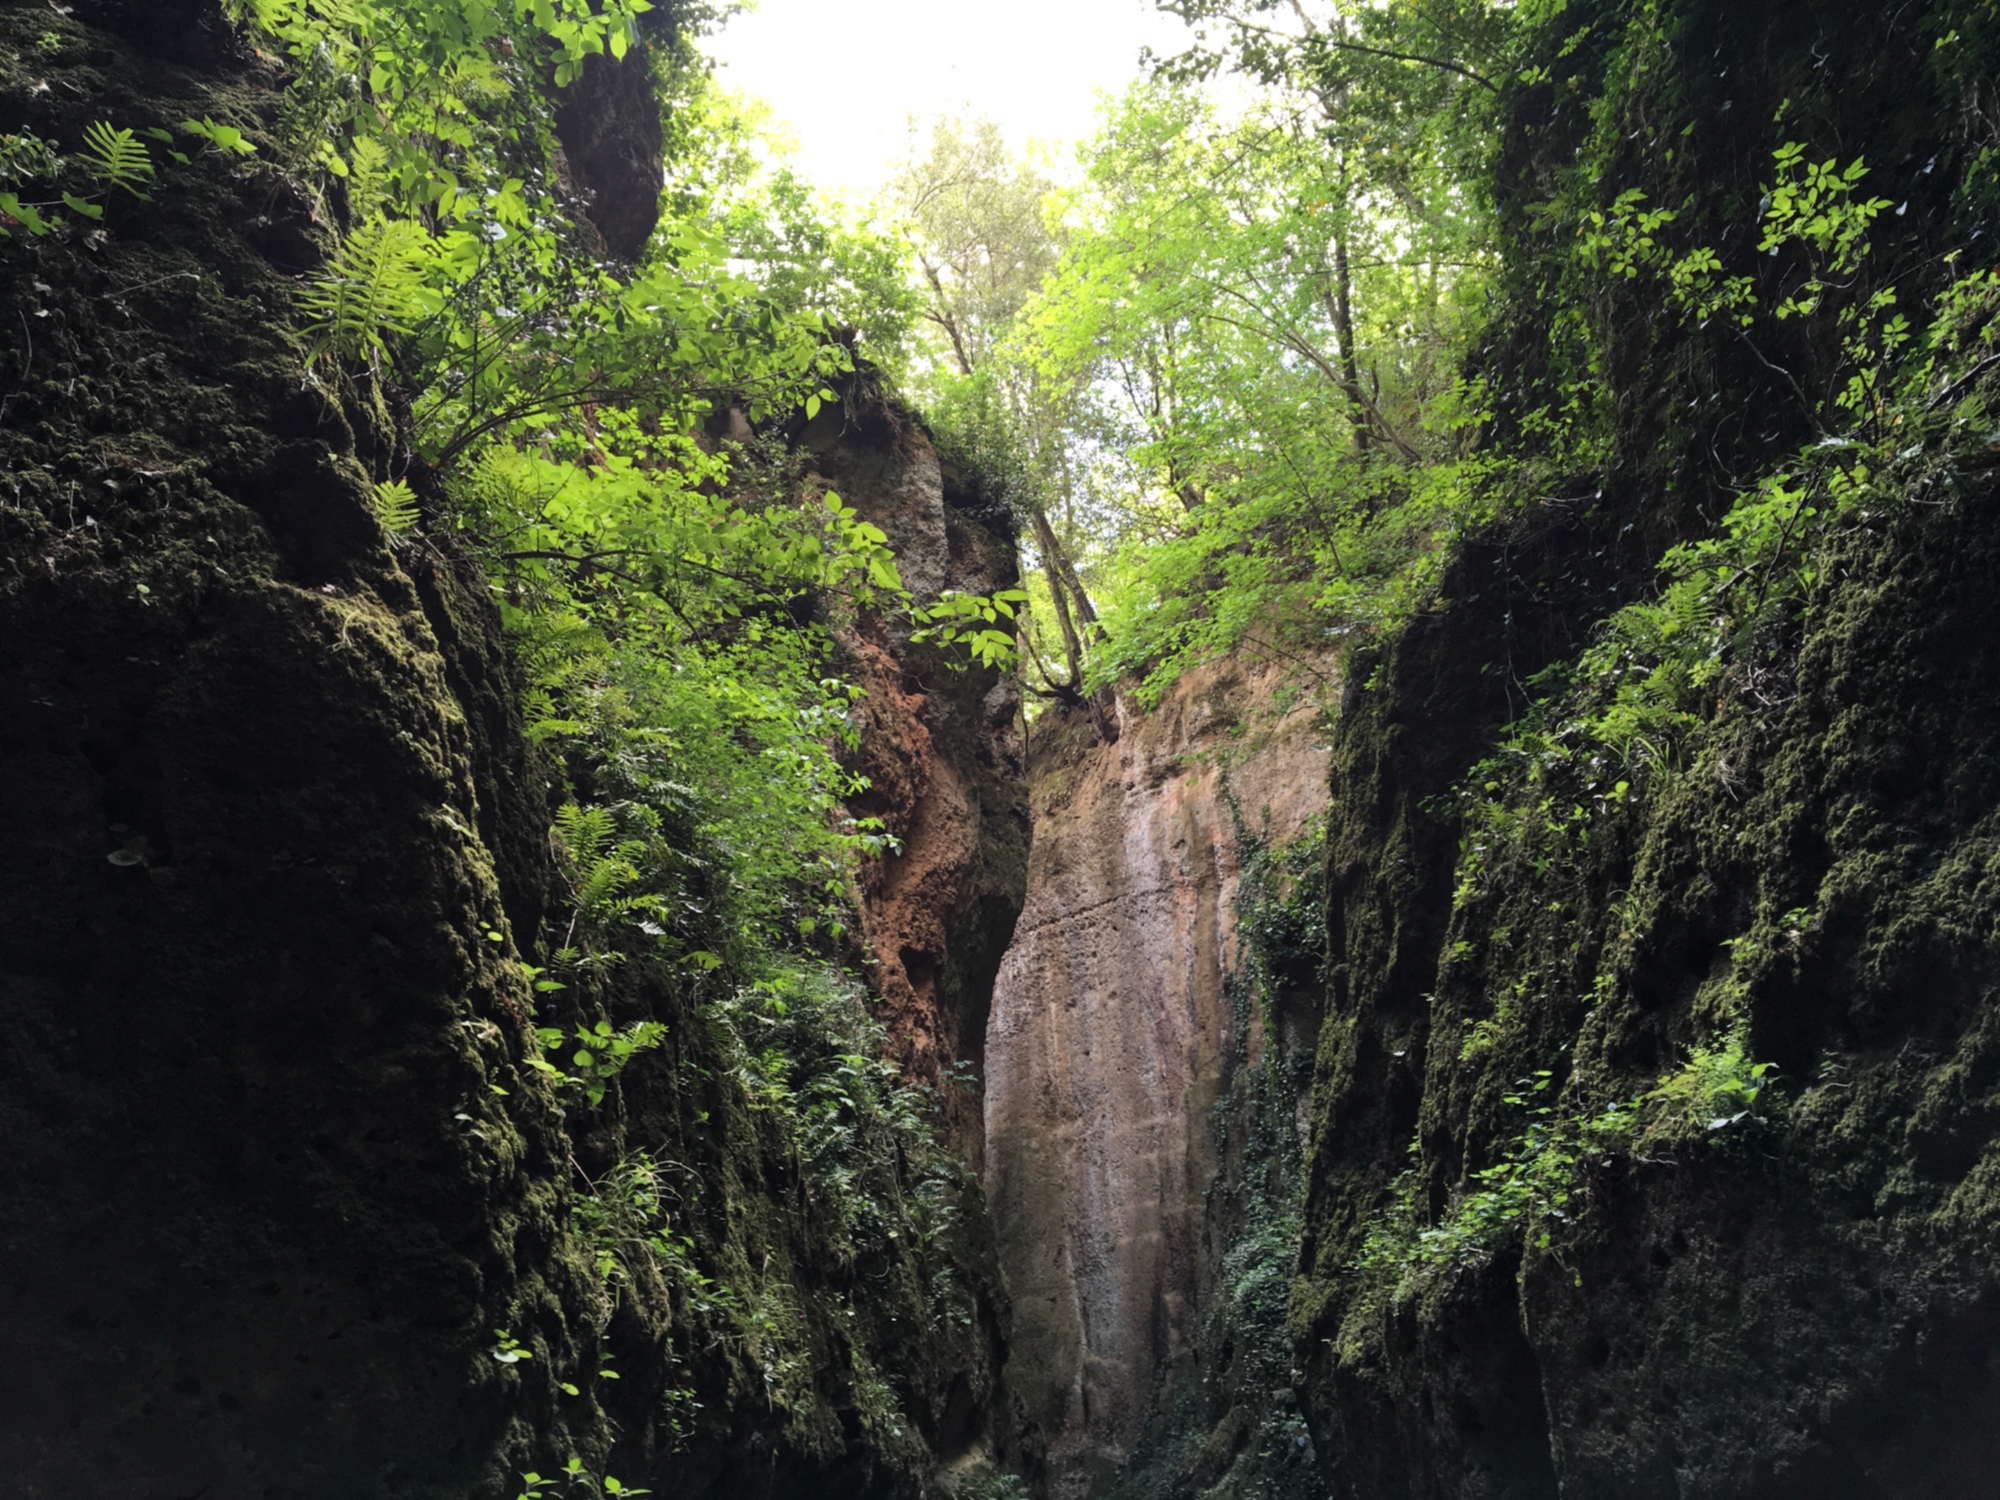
(1799,1303)
(1112,1039)
(942,751)
(265,794)
(277,1170)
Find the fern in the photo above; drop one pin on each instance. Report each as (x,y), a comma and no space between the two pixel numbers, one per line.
(601,871)
(396,506)
(369,183)
(117,157)
(605,877)
(583,834)
(377,284)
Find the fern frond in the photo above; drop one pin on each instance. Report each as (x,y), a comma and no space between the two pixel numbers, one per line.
(600,896)
(583,835)
(396,506)
(378,283)
(118,157)
(368,180)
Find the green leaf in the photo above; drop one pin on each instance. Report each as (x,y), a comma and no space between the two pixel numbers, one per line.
(117,157)
(396,509)
(223,137)
(13,209)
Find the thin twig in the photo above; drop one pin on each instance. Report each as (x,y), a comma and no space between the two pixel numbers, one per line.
(1952,392)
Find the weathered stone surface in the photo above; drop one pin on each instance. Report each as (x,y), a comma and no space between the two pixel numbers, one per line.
(1790,1302)
(613,143)
(1107,1045)
(942,751)
(276,1172)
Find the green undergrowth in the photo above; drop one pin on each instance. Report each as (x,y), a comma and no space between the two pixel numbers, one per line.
(708,858)
(986,1483)
(673,975)
(1541,1181)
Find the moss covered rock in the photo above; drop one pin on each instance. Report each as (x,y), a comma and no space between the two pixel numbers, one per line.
(288,1213)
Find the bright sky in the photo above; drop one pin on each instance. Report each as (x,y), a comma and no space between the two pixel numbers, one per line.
(847,74)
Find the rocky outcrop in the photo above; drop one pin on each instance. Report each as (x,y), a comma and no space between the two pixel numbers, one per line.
(1790,1301)
(265,1205)
(942,752)
(1112,1039)
(608,121)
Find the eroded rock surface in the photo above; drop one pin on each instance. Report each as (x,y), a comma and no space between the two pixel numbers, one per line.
(1110,1043)
(942,751)
(279,1174)
(1796,1301)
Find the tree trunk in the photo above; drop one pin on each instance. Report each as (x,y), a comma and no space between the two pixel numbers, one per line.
(1054,565)
(1343,326)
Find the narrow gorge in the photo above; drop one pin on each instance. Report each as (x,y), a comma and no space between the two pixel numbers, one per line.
(1125,1035)
(1306,811)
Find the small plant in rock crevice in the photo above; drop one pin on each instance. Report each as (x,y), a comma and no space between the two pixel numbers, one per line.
(573,1479)
(985,1483)
(1541,1181)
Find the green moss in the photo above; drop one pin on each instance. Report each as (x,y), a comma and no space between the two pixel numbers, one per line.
(336,1177)
(1800,874)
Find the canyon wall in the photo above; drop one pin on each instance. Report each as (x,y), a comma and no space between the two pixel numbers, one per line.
(1112,1039)
(1772,1302)
(942,752)
(280,1176)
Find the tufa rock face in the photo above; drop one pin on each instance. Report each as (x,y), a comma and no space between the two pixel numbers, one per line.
(942,751)
(278,1173)
(609,125)
(1798,1306)
(265,796)
(1110,1043)
(1798,1302)
(613,140)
